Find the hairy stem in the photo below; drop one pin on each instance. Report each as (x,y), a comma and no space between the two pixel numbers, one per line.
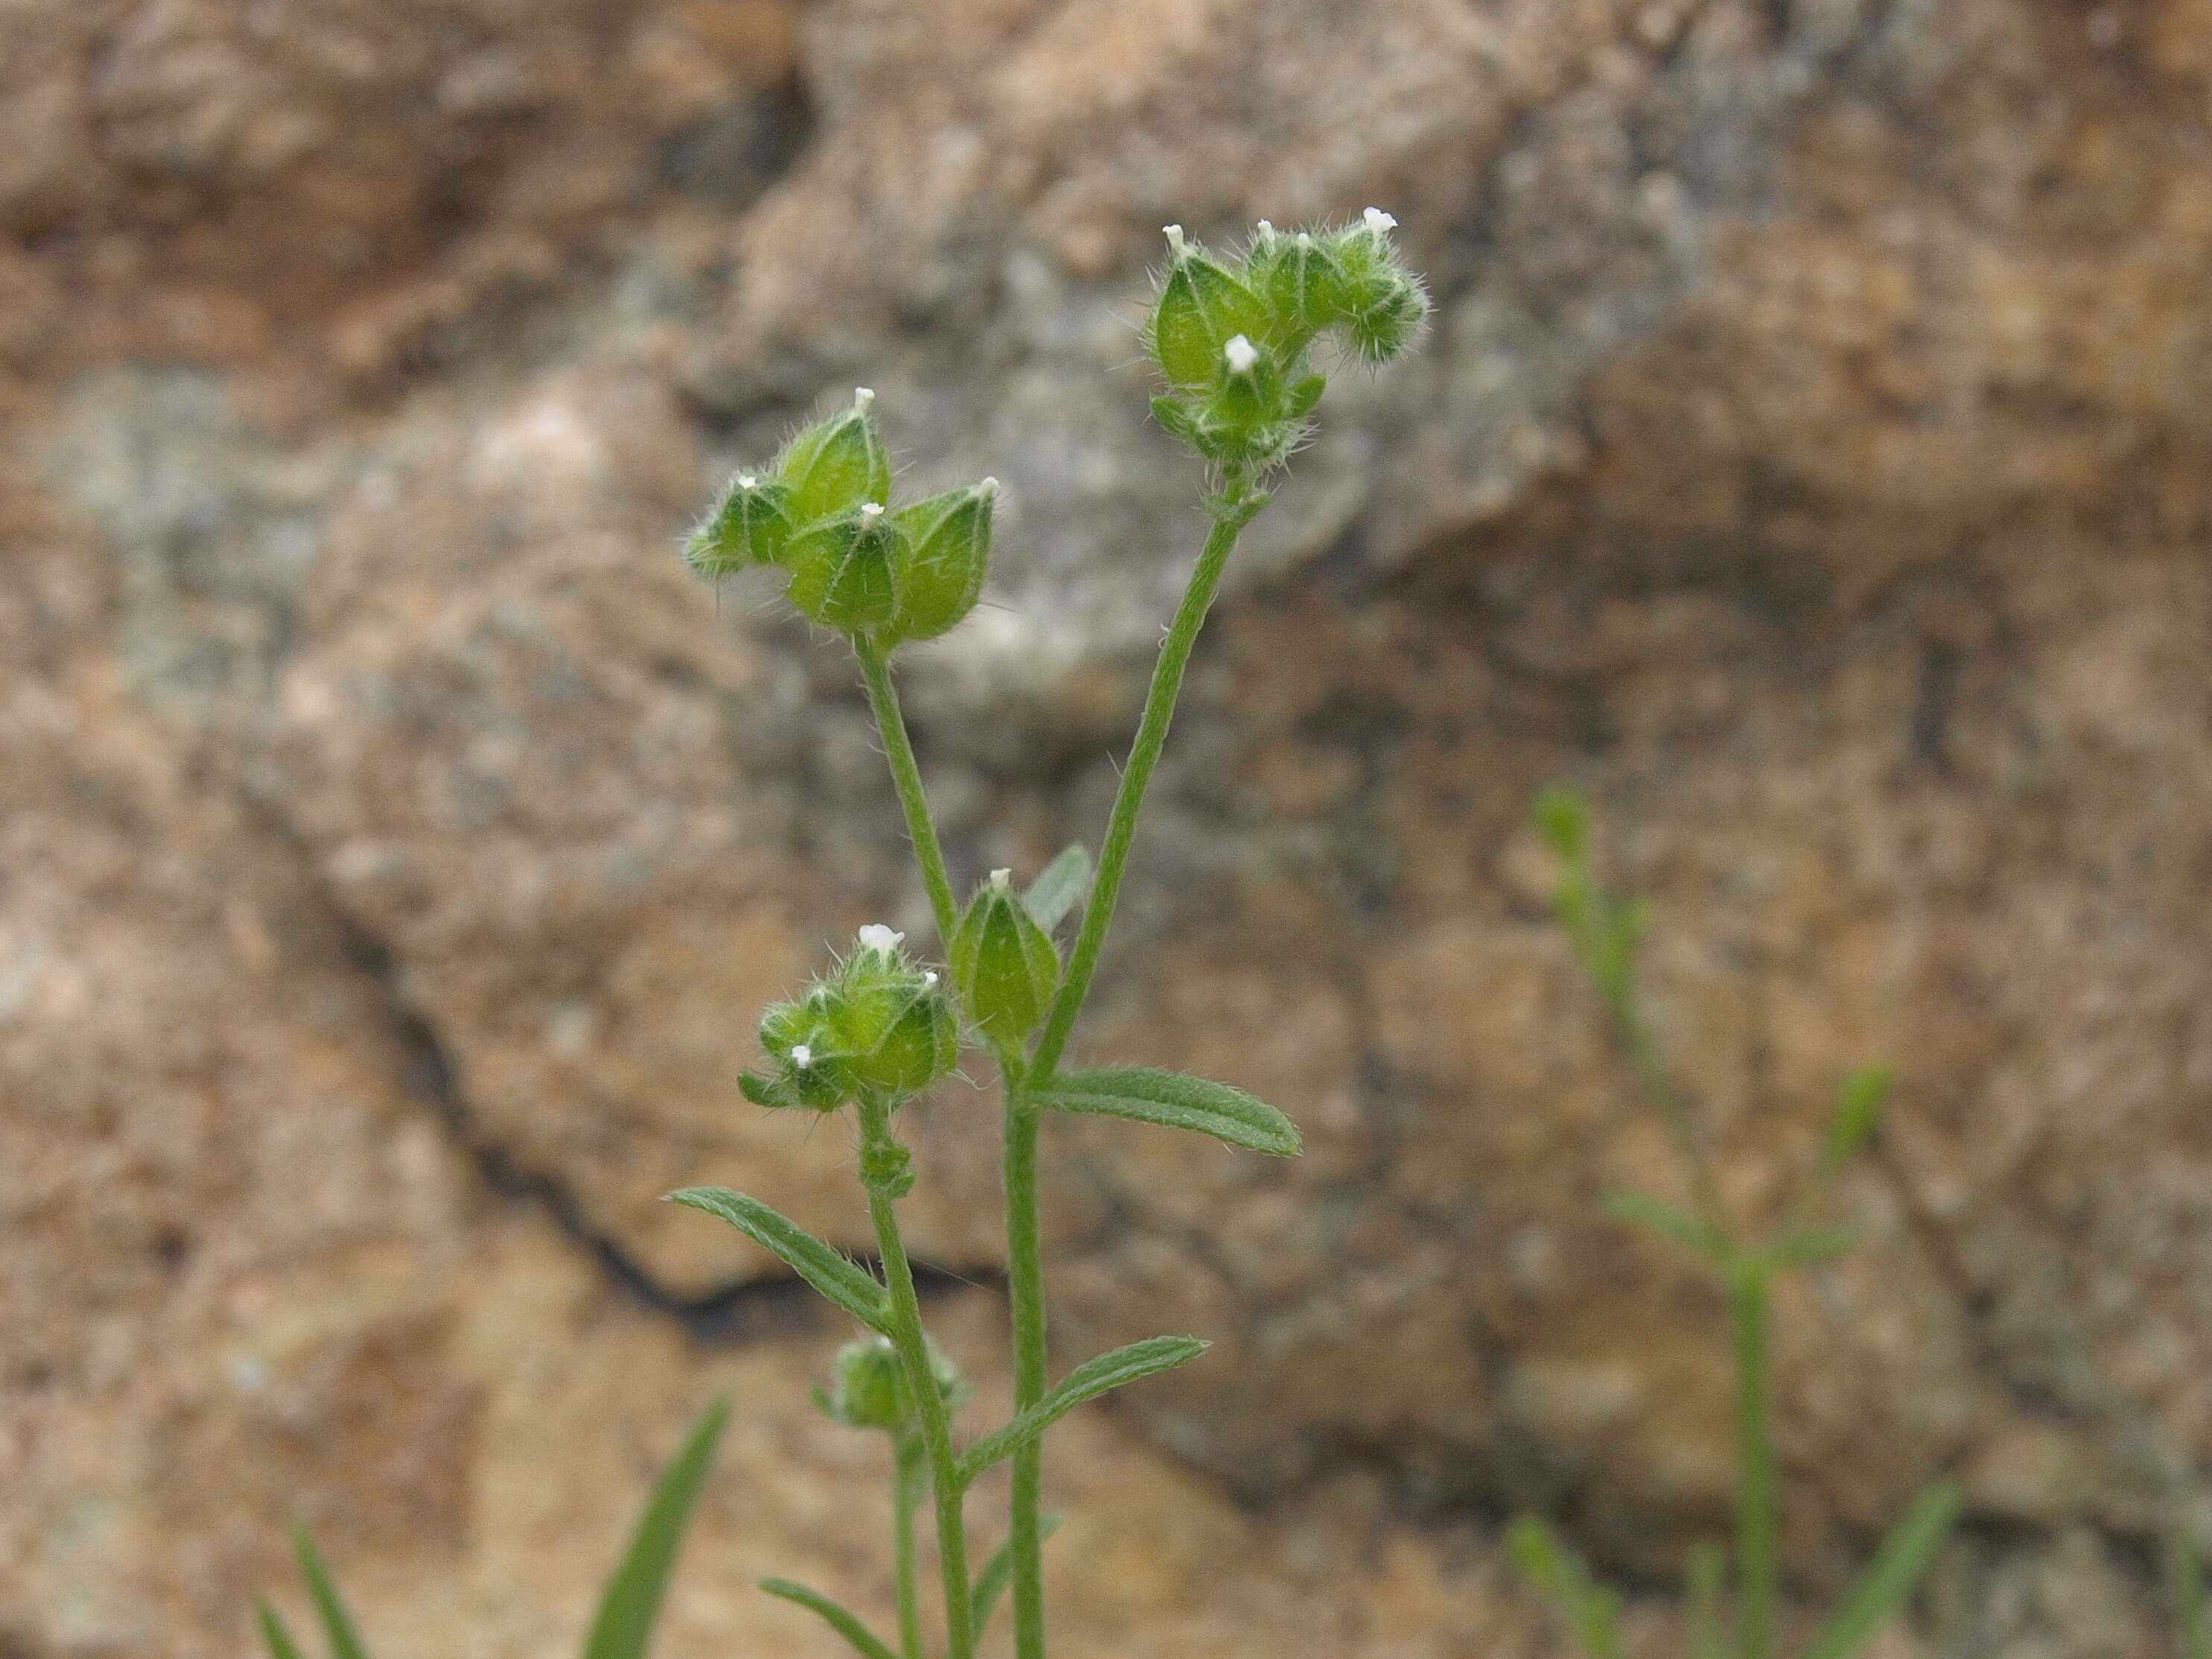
(929,1405)
(906,777)
(1750,1308)
(1026,1292)
(907,1479)
(1231,517)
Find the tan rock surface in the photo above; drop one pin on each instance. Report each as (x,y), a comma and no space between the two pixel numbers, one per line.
(1812,461)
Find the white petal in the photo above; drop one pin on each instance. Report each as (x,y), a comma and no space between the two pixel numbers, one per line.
(1241,353)
(876,937)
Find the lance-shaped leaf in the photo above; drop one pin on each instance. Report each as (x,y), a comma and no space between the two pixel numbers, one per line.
(1060,887)
(330,1606)
(1892,1576)
(998,1572)
(1086,1382)
(1174,1101)
(1669,1221)
(277,1640)
(837,1277)
(838,1619)
(623,1626)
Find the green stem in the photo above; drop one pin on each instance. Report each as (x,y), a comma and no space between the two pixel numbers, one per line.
(929,1405)
(1026,1292)
(1231,517)
(905,1492)
(1750,1309)
(906,777)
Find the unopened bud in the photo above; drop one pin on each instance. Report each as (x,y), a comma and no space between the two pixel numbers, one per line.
(836,464)
(748,524)
(1007,967)
(896,1021)
(844,570)
(944,553)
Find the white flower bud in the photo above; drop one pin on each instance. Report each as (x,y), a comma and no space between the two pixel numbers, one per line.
(875,936)
(1241,353)
(1378,222)
(801,1056)
(863,396)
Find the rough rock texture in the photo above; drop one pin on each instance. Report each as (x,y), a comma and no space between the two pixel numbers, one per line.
(1812,460)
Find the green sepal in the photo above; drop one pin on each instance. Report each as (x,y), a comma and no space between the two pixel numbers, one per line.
(998,1573)
(1304,395)
(835,1276)
(836,465)
(1005,966)
(895,1022)
(1060,887)
(845,569)
(863,1642)
(1387,323)
(870,1392)
(1176,420)
(622,1627)
(748,524)
(1303,285)
(1882,1591)
(338,1629)
(1201,306)
(1173,1100)
(1086,1382)
(944,549)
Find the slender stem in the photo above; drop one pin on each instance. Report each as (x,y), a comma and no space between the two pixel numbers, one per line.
(1229,520)
(929,1405)
(906,777)
(1651,1075)
(907,1479)
(1026,1292)
(1750,1308)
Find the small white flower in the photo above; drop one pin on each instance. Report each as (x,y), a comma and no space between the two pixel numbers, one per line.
(929,980)
(1264,229)
(987,488)
(1241,353)
(801,1056)
(1305,239)
(1379,221)
(863,396)
(1174,234)
(871,510)
(746,481)
(999,878)
(875,936)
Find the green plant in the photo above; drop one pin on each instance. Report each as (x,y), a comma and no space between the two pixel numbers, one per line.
(622,1628)
(2185,1585)
(1232,338)
(1605,930)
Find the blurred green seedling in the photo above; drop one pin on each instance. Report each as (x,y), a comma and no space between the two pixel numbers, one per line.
(622,1628)
(1605,930)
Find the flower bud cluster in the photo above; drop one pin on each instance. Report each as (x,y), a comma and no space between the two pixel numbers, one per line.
(1233,338)
(882,1025)
(823,514)
(869,1389)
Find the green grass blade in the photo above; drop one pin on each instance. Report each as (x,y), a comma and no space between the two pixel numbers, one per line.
(864,1644)
(1895,1572)
(1669,1221)
(274,1635)
(1558,1574)
(338,1623)
(1707,1580)
(1174,1101)
(623,1626)
(1086,1382)
(857,1292)
(2184,1584)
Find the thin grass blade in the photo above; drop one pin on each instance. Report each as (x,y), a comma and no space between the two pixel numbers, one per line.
(623,1626)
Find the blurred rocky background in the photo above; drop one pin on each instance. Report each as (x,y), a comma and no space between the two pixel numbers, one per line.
(1812,461)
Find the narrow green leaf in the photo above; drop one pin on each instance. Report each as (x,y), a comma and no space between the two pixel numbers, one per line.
(330,1606)
(623,1626)
(1858,1113)
(1086,1382)
(1562,818)
(866,1646)
(1174,1101)
(1894,1573)
(1669,1221)
(997,1572)
(2184,1584)
(1707,1576)
(1810,1246)
(274,1635)
(857,1291)
(1060,887)
(1558,1574)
